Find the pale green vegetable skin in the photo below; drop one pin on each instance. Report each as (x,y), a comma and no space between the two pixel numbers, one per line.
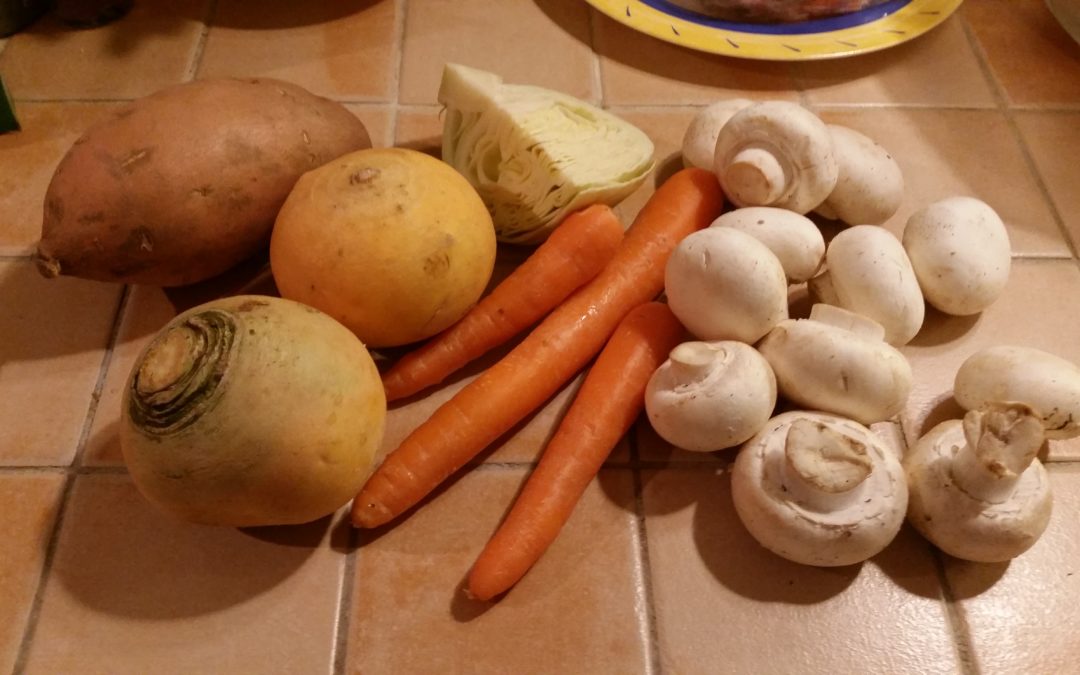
(534,155)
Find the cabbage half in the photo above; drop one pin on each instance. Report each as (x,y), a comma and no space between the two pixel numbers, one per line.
(534,154)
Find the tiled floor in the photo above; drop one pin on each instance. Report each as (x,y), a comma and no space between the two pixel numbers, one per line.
(654,573)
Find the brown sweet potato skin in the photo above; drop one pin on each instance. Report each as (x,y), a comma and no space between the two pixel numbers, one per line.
(181,185)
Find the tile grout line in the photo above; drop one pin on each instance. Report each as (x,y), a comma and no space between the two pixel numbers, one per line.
(1002,100)
(597,71)
(646,602)
(200,44)
(400,18)
(955,619)
(345,603)
(30,628)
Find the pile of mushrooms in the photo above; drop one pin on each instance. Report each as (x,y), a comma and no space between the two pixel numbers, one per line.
(814,484)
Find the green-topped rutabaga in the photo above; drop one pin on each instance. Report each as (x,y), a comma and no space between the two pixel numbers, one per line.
(534,154)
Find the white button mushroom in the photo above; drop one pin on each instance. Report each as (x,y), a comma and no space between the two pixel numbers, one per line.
(723,284)
(819,489)
(776,153)
(699,142)
(1044,381)
(960,251)
(793,238)
(868,272)
(836,361)
(976,490)
(710,395)
(870,185)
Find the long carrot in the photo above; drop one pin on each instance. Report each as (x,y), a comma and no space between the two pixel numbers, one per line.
(546,359)
(574,253)
(610,399)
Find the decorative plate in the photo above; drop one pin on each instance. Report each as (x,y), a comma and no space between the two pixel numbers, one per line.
(867,30)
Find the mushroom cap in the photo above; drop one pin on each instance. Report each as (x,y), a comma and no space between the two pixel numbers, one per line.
(1047,383)
(776,153)
(870,185)
(710,395)
(793,238)
(961,525)
(959,249)
(826,367)
(868,272)
(723,284)
(772,503)
(699,142)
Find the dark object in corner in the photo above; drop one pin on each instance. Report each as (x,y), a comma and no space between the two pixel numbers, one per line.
(16,14)
(90,13)
(7,112)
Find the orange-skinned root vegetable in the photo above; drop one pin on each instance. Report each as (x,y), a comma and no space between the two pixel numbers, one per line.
(183,184)
(252,410)
(610,399)
(977,490)
(1044,381)
(819,489)
(573,254)
(391,242)
(547,358)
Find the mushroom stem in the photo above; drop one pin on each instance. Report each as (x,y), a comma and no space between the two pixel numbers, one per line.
(823,468)
(756,176)
(694,361)
(1002,441)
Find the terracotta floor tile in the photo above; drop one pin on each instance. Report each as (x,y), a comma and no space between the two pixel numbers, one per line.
(377,120)
(723,599)
(638,69)
(1037,310)
(1023,614)
(934,149)
(1032,56)
(134,591)
(420,130)
(575,611)
(51,347)
(146,311)
(938,69)
(27,161)
(543,43)
(28,506)
(343,50)
(1054,141)
(151,47)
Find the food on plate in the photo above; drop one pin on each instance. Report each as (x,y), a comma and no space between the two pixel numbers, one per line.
(724,284)
(819,489)
(776,153)
(837,361)
(560,346)
(868,272)
(534,154)
(710,395)
(604,408)
(391,242)
(575,252)
(1047,383)
(793,238)
(252,410)
(774,11)
(699,141)
(870,184)
(185,183)
(977,490)
(960,251)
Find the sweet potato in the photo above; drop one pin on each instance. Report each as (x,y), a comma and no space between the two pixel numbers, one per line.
(185,183)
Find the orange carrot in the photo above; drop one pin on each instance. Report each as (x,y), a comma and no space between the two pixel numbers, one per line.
(574,253)
(546,359)
(610,399)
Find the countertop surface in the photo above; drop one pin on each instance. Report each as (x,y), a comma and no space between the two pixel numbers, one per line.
(654,573)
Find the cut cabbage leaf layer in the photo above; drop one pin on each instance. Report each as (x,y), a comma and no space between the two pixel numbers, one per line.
(533,154)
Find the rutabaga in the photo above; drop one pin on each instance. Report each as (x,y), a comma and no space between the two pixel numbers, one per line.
(534,154)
